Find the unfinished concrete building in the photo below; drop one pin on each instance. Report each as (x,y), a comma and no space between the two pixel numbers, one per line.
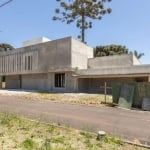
(65,65)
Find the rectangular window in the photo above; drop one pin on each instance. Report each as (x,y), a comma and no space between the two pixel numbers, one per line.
(29,62)
(25,62)
(31,59)
(60,80)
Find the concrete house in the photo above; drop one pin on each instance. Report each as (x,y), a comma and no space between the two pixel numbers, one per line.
(65,65)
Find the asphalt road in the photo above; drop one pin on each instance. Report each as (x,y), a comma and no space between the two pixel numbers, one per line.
(127,124)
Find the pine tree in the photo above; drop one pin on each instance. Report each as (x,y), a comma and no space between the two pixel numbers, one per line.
(82,12)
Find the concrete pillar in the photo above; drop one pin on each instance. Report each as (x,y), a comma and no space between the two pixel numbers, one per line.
(21,62)
(11,63)
(6,63)
(76,85)
(0,82)
(148,78)
(0,64)
(36,60)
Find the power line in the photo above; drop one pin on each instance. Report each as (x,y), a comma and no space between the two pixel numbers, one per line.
(5,3)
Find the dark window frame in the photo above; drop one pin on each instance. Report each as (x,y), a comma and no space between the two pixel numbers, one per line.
(3,79)
(60,80)
(29,61)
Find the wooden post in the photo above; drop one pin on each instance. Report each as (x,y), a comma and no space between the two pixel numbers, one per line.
(105,91)
(105,87)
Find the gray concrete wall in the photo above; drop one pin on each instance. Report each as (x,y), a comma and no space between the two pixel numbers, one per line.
(35,82)
(41,82)
(83,85)
(16,61)
(113,61)
(35,41)
(80,54)
(64,54)
(56,55)
(136,61)
(70,83)
(131,70)
(96,85)
(46,82)
(12,82)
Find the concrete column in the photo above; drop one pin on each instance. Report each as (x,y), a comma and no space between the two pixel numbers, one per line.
(11,63)
(0,64)
(149,78)
(21,62)
(76,85)
(50,82)
(15,63)
(0,82)
(36,60)
(3,63)
(6,63)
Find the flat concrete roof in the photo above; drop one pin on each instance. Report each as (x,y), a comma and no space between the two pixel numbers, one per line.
(136,70)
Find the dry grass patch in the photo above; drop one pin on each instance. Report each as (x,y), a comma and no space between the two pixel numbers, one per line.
(74,98)
(19,133)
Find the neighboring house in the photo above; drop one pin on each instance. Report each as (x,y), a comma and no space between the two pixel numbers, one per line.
(66,65)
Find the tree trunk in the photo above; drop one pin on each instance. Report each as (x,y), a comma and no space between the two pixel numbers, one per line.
(83,29)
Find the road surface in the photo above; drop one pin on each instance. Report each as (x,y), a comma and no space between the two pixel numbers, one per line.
(130,125)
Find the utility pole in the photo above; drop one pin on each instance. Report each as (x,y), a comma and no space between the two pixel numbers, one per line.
(3,4)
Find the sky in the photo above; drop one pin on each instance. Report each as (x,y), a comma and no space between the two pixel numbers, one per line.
(127,25)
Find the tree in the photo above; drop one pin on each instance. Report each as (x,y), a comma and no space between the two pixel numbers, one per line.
(138,55)
(110,50)
(82,12)
(5,47)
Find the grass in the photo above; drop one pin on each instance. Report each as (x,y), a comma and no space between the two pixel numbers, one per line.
(29,144)
(18,133)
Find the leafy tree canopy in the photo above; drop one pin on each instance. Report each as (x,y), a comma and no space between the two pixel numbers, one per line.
(5,47)
(108,50)
(82,12)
